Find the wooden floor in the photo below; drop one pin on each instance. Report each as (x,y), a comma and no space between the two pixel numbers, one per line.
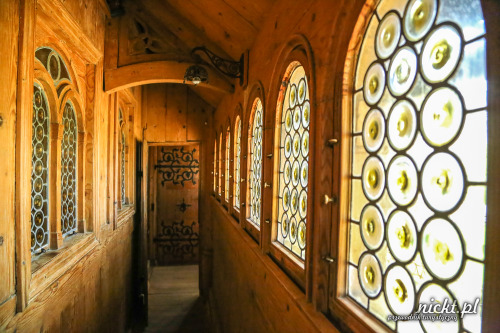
(174,302)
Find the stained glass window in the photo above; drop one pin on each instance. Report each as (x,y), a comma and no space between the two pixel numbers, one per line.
(418,177)
(237,158)
(226,177)
(40,171)
(294,162)
(220,164)
(68,173)
(123,144)
(255,172)
(215,165)
(54,64)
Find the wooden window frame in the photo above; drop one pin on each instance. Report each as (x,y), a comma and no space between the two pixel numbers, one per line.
(257,92)
(235,211)
(49,25)
(297,50)
(214,163)
(227,159)
(346,313)
(219,167)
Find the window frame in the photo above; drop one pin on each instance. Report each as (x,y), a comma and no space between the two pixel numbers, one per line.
(34,276)
(227,166)
(255,94)
(236,211)
(297,50)
(346,313)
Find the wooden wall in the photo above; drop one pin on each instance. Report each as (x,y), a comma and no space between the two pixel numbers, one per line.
(93,293)
(250,291)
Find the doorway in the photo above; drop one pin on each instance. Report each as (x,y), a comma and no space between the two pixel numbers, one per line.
(174,192)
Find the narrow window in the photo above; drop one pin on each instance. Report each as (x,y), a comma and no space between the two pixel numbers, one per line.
(220,164)
(215,165)
(237,156)
(123,144)
(417,213)
(40,172)
(226,177)
(68,173)
(294,162)
(255,158)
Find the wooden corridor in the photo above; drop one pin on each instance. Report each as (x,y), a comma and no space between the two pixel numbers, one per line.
(174,300)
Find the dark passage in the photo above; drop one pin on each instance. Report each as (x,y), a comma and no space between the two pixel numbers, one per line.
(174,300)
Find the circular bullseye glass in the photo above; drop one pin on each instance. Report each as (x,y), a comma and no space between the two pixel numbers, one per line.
(285,225)
(296,117)
(442,248)
(441,54)
(306,114)
(418,19)
(402,180)
(302,235)
(288,146)
(402,125)
(303,204)
(296,145)
(442,181)
(399,290)
(37,98)
(295,173)
(293,230)
(372,227)
(293,95)
(373,130)
(288,120)
(370,275)
(441,117)
(54,66)
(38,219)
(305,144)
(388,34)
(295,201)
(286,199)
(431,294)
(304,174)
(374,84)
(302,90)
(401,235)
(373,178)
(38,168)
(402,71)
(287,172)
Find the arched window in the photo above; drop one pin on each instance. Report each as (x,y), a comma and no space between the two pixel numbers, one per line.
(255,163)
(40,171)
(69,171)
(416,218)
(220,164)
(237,162)
(215,164)
(227,159)
(294,161)
(123,144)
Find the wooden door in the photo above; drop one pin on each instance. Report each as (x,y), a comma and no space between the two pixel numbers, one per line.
(176,231)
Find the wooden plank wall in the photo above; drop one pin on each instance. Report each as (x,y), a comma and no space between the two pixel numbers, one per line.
(93,294)
(250,291)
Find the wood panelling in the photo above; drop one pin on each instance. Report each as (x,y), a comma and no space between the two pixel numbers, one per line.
(9,27)
(173,113)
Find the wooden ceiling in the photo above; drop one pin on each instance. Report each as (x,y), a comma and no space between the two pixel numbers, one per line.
(226,27)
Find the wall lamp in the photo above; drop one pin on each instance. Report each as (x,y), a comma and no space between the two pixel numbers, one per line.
(196,74)
(230,68)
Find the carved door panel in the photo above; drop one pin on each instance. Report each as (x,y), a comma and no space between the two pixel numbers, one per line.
(176,236)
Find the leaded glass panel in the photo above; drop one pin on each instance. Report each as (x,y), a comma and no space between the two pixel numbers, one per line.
(53,63)
(215,165)
(255,172)
(237,157)
(122,168)
(40,171)
(68,172)
(226,177)
(418,179)
(294,163)
(220,164)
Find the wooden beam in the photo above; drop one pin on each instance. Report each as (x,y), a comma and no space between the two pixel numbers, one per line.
(159,72)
